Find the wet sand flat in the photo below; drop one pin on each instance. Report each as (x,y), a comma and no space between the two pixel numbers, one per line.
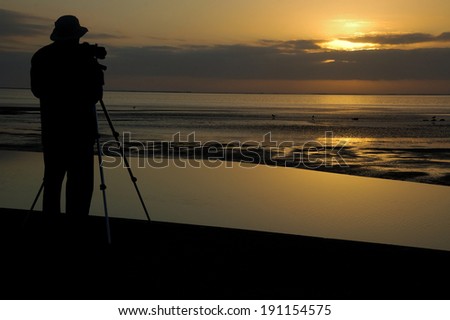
(262,198)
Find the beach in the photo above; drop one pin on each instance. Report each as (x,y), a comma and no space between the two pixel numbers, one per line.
(60,258)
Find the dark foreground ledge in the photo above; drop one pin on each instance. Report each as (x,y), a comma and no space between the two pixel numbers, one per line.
(64,258)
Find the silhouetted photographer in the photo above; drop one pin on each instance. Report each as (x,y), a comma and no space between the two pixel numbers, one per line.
(68,80)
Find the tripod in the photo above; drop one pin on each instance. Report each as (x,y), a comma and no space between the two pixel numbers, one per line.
(102,176)
(122,154)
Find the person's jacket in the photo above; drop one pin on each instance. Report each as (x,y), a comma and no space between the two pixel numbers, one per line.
(69,82)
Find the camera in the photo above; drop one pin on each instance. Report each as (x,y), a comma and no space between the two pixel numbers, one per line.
(94,50)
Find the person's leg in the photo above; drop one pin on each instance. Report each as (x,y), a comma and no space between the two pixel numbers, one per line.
(80,181)
(53,179)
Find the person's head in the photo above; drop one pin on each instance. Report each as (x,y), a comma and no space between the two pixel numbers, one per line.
(68,28)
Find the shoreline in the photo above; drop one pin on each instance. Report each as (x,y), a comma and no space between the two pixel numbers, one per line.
(161,260)
(415,158)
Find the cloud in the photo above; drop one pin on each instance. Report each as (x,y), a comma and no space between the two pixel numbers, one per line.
(13,24)
(418,64)
(292,45)
(399,39)
(245,62)
(445,36)
(103,36)
(271,63)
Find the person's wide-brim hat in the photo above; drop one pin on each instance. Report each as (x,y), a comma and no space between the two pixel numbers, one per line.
(67,28)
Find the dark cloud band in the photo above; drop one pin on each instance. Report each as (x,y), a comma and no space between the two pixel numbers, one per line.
(399,39)
(272,62)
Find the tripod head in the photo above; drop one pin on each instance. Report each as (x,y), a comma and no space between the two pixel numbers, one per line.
(95,51)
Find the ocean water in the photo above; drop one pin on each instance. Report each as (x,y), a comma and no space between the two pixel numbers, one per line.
(389,136)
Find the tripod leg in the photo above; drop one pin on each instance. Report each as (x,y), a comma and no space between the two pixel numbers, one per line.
(102,183)
(25,220)
(37,197)
(103,189)
(132,177)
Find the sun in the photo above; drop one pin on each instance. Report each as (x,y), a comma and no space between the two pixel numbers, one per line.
(341,30)
(344,45)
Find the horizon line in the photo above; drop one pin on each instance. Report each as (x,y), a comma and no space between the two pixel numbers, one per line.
(256,93)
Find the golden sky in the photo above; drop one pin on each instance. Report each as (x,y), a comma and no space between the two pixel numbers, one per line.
(344,46)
